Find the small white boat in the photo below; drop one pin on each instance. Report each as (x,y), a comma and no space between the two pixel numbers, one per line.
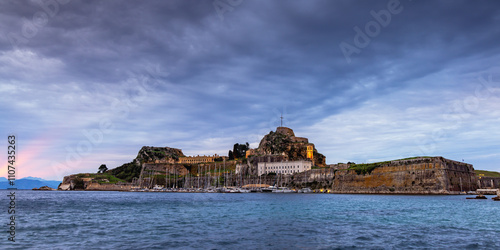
(283,190)
(243,190)
(305,190)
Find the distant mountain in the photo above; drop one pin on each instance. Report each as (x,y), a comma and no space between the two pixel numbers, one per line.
(28,183)
(33,178)
(36,179)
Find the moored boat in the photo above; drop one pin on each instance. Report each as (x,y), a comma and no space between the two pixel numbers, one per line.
(282,190)
(305,190)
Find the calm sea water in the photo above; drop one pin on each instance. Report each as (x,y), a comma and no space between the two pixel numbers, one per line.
(63,220)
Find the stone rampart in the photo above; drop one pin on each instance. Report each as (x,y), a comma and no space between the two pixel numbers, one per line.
(107,187)
(435,175)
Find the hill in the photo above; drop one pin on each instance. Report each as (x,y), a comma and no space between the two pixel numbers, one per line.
(33,178)
(132,169)
(283,142)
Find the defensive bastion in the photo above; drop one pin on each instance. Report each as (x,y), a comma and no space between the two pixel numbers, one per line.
(421,175)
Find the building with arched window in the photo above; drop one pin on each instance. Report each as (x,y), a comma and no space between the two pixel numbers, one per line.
(198,159)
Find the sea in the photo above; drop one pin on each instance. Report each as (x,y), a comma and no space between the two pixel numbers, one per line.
(133,220)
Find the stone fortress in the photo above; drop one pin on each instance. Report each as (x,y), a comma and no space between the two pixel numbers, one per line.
(286,132)
(281,152)
(296,163)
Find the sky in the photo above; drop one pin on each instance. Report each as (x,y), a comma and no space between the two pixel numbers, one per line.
(85,83)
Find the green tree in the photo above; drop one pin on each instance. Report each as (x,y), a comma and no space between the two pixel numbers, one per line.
(240,150)
(236,152)
(102,168)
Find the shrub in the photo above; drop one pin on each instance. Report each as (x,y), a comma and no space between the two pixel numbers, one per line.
(364,168)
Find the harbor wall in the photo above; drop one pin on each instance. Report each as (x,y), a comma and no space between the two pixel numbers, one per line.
(489,182)
(107,187)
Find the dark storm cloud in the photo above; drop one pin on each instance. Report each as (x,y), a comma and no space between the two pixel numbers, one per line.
(275,42)
(278,43)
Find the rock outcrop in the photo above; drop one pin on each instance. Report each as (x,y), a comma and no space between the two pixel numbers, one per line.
(64,187)
(91,182)
(44,188)
(147,155)
(283,142)
(158,155)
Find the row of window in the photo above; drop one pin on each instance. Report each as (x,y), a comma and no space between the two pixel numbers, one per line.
(283,171)
(281,167)
(195,160)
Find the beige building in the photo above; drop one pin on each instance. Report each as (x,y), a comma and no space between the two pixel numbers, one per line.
(197,159)
(284,167)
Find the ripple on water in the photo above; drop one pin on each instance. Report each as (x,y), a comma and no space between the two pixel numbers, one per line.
(174,220)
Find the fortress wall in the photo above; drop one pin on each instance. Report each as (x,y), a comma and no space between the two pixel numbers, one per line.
(489,182)
(107,187)
(416,176)
(419,176)
(411,178)
(301,139)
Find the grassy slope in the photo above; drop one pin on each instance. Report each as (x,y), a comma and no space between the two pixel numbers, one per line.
(126,171)
(367,168)
(487,173)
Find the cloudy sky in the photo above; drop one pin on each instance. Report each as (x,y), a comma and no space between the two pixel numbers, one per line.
(85,83)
